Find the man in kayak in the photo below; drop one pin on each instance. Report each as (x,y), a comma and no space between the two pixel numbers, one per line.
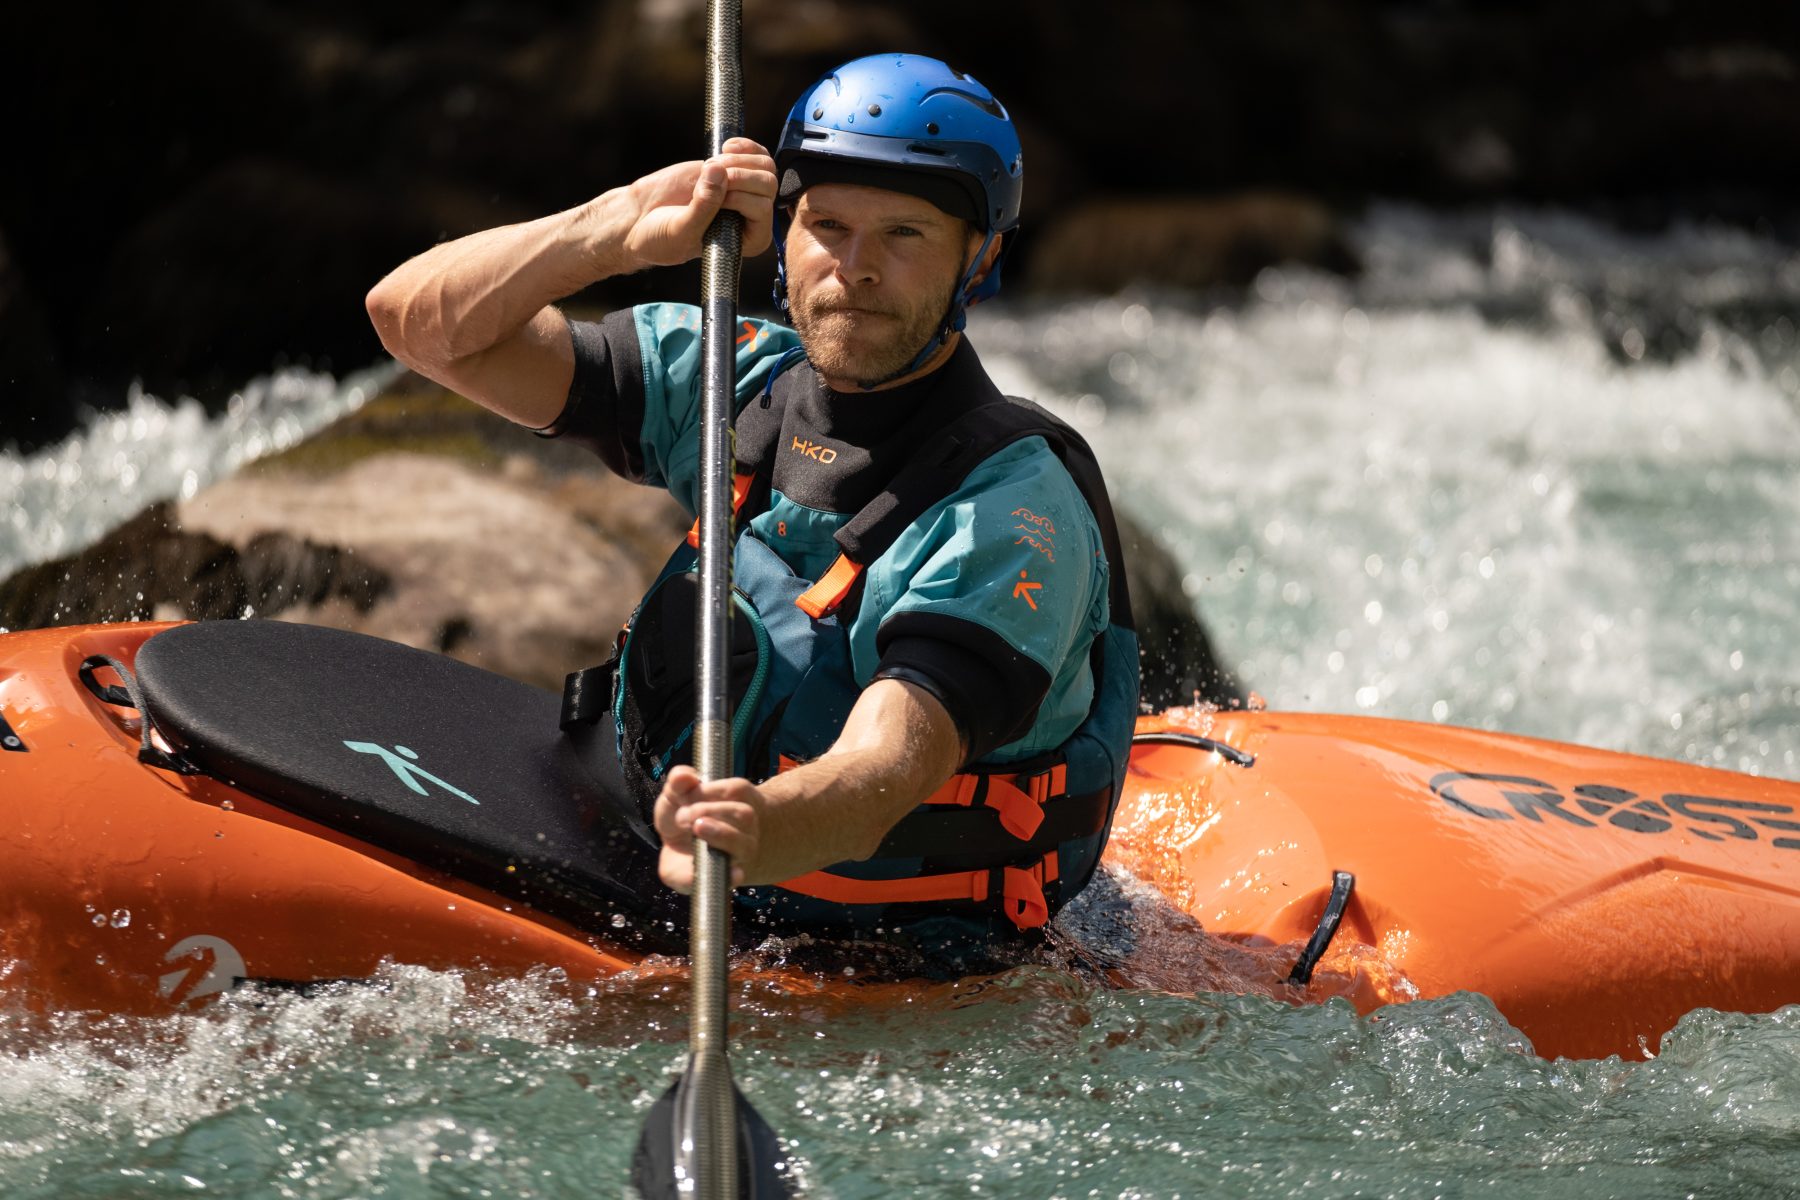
(938,677)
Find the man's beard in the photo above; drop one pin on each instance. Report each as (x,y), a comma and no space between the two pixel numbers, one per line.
(870,349)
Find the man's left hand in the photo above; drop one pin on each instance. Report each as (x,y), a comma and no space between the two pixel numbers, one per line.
(726,814)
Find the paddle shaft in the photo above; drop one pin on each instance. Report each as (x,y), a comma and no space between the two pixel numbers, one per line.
(715,1125)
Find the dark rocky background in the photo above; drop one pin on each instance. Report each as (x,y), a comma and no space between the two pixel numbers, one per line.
(195,193)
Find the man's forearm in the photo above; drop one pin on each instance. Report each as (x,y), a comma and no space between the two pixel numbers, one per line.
(450,310)
(835,809)
(898,747)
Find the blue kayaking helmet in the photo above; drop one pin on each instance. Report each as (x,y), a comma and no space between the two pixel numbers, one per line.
(908,124)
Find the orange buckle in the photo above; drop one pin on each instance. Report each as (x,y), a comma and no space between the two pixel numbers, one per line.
(740,491)
(1025,904)
(1020,812)
(1021,809)
(831,590)
(958,790)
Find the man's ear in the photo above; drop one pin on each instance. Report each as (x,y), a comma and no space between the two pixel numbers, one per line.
(988,259)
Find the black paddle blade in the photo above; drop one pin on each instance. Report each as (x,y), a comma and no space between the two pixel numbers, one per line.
(656,1168)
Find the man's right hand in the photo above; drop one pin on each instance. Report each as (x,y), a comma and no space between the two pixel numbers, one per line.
(477,314)
(675,205)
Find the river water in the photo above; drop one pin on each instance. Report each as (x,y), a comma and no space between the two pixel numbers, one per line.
(1529,472)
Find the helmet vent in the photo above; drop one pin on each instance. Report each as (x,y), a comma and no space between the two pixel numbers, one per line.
(931,127)
(874,110)
(922,148)
(986,104)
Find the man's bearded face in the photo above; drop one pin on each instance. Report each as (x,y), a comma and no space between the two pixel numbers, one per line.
(870,278)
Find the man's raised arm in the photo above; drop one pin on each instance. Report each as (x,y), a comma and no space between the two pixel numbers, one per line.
(476,314)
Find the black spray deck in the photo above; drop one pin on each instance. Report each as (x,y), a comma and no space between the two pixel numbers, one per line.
(440,762)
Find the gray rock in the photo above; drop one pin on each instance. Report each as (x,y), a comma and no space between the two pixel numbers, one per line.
(1194,242)
(505,570)
(1177,657)
(151,567)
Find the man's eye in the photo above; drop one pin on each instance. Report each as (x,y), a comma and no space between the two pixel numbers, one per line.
(906,231)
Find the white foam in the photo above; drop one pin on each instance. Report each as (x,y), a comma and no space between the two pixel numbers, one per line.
(65,496)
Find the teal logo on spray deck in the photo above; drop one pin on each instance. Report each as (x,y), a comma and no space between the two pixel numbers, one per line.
(400,761)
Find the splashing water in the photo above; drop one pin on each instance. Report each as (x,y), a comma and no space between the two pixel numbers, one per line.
(1033,1083)
(65,496)
(1527,472)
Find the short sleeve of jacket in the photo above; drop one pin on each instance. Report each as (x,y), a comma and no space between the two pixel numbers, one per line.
(635,398)
(1008,576)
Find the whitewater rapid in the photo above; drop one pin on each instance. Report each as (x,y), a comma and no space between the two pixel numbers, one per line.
(1526,472)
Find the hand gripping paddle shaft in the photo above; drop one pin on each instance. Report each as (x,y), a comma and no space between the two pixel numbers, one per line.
(703,1139)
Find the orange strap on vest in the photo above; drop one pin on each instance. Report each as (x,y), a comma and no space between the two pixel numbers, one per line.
(1021,887)
(1021,809)
(834,585)
(822,597)
(740,491)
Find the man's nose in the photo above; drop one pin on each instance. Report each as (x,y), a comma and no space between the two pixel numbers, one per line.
(857,260)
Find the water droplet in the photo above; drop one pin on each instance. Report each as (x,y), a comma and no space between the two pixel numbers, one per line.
(618,921)
(98,919)
(228,805)
(121,918)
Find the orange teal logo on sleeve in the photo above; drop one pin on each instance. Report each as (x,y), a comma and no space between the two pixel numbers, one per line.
(1022,590)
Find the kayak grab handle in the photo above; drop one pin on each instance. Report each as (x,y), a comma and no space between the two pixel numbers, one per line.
(1343,883)
(131,695)
(1225,750)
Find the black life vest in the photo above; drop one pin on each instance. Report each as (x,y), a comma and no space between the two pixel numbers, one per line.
(999,846)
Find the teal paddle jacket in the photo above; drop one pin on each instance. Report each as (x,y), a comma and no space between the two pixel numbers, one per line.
(996,595)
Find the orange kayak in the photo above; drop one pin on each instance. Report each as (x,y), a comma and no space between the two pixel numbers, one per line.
(1595,897)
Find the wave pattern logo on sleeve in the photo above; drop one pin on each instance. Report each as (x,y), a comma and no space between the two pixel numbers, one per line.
(1037,532)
